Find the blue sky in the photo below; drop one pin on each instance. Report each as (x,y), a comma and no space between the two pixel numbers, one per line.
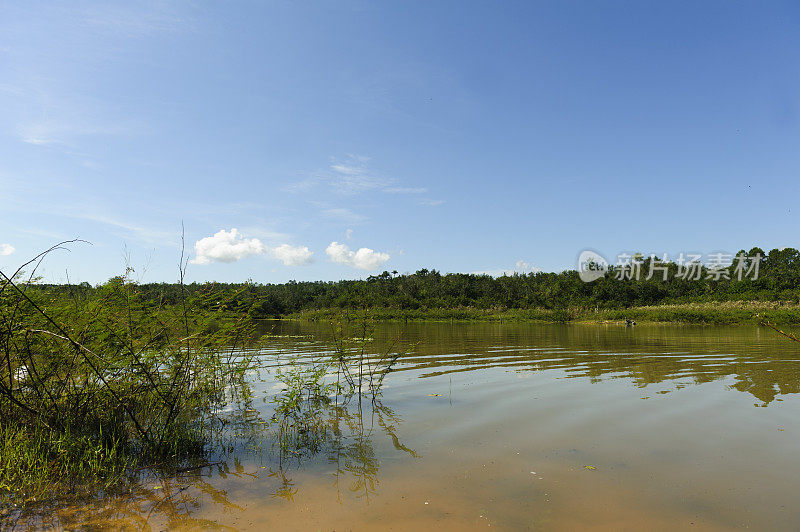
(343,138)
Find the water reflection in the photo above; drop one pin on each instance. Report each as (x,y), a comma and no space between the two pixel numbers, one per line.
(169,500)
(673,461)
(759,361)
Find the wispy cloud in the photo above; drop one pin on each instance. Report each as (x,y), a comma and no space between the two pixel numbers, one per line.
(364,258)
(64,121)
(344,215)
(6,249)
(150,235)
(47,97)
(405,190)
(353,175)
(136,20)
(431,202)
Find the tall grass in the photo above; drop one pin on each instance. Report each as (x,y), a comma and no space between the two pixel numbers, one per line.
(723,312)
(95,387)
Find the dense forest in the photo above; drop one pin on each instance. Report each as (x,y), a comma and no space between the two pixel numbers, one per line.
(778,279)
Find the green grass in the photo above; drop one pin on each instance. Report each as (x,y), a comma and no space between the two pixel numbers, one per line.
(37,463)
(94,388)
(725,312)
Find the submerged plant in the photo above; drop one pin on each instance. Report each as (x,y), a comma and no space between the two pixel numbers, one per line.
(331,404)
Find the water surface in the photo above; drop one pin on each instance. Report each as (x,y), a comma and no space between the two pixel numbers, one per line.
(515,427)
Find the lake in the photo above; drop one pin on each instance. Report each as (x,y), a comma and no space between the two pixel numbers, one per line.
(515,427)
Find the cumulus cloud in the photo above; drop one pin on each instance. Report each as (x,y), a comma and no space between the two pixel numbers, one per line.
(230,246)
(293,255)
(226,246)
(6,249)
(520,267)
(364,258)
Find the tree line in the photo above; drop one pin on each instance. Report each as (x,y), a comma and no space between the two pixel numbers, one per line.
(778,280)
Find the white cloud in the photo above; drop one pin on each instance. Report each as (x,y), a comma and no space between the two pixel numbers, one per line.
(293,255)
(493,273)
(6,249)
(364,258)
(353,176)
(348,234)
(526,267)
(226,246)
(521,267)
(230,246)
(37,141)
(344,215)
(431,202)
(405,190)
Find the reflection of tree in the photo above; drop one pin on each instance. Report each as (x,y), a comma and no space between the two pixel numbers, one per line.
(345,429)
(330,407)
(763,365)
(172,499)
(314,418)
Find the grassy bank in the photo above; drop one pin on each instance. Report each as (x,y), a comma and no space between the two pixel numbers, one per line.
(728,312)
(95,388)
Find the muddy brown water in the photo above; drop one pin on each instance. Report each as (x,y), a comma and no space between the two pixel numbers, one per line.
(516,427)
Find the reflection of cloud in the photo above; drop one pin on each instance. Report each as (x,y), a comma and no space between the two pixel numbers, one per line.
(364,258)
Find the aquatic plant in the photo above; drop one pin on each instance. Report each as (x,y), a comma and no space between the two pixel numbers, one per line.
(324,403)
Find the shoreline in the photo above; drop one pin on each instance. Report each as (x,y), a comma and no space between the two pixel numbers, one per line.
(712,313)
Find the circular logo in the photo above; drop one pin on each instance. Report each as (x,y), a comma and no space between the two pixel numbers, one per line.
(591,266)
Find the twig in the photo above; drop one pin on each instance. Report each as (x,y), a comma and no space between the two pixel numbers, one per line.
(774,328)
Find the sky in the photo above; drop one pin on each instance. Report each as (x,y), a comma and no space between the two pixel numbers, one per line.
(337,139)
